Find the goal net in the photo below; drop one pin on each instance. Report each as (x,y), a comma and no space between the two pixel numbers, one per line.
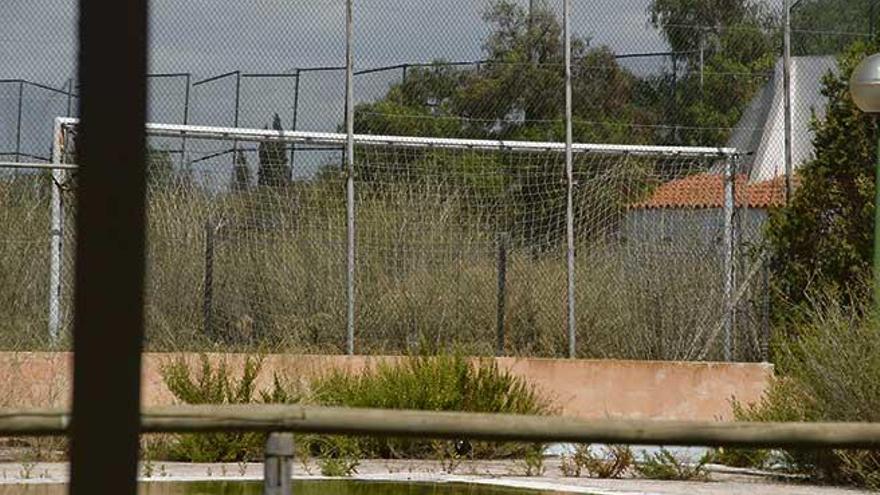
(459,244)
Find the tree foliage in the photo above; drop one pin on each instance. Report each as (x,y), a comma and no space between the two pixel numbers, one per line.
(823,240)
(274,169)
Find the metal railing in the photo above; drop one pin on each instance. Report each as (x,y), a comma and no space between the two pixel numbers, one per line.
(280,421)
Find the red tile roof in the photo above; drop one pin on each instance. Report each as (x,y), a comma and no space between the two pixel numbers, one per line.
(707,191)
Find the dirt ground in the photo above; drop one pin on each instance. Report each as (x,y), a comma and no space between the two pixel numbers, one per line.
(506,473)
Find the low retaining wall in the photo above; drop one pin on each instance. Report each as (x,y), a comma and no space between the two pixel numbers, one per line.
(583,388)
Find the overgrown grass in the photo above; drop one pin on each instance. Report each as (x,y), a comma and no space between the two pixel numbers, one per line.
(828,363)
(426,274)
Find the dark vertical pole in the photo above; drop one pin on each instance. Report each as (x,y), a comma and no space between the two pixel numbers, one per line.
(235,116)
(502,294)
(208,290)
(405,69)
(185,122)
(293,120)
(69,96)
(673,100)
(237,97)
(18,122)
(110,221)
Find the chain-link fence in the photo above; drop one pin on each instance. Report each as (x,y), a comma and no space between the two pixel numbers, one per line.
(453,247)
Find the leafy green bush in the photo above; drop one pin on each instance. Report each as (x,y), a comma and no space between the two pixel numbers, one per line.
(214,385)
(433,383)
(664,465)
(614,462)
(829,370)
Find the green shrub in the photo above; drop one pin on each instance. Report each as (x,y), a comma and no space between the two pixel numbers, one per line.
(214,385)
(614,462)
(664,465)
(828,368)
(338,456)
(433,383)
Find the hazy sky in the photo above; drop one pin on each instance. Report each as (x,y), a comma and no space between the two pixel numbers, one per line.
(209,37)
(37,37)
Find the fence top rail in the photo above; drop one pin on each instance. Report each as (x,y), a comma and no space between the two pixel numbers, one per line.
(430,424)
(328,138)
(37,166)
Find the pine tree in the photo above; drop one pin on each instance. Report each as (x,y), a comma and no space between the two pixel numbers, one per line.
(241,173)
(274,170)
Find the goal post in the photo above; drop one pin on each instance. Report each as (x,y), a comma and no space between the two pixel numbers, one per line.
(460,242)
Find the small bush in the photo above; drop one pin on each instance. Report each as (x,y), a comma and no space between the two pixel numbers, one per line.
(214,385)
(829,365)
(664,465)
(614,462)
(532,461)
(338,456)
(433,383)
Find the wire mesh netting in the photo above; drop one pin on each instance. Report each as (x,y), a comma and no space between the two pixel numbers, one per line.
(435,227)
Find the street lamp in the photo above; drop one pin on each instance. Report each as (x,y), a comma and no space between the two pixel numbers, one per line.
(864,86)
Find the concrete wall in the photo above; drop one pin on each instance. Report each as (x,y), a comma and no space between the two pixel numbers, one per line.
(588,389)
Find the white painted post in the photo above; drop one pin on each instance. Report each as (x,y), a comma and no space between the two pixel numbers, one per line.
(349,155)
(786,82)
(569,174)
(728,255)
(56,236)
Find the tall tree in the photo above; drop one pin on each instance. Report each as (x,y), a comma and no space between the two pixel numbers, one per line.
(241,173)
(821,27)
(274,169)
(160,167)
(823,240)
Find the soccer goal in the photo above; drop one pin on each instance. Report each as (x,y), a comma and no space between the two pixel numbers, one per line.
(254,238)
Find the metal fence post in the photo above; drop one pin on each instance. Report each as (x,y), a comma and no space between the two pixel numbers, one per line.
(786,83)
(349,157)
(293,121)
(569,173)
(56,236)
(18,122)
(183,152)
(502,294)
(277,464)
(728,259)
(208,289)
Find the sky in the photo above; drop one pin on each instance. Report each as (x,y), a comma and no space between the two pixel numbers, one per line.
(211,37)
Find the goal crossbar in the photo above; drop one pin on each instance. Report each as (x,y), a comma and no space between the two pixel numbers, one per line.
(329,138)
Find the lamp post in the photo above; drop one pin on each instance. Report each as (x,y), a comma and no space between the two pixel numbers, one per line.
(864,87)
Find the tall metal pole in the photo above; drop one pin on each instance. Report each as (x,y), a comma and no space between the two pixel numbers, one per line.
(294,119)
(69,96)
(501,295)
(183,153)
(349,157)
(56,236)
(786,82)
(569,173)
(18,122)
(728,260)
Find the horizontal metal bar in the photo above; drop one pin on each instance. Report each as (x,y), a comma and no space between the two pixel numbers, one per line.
(168,74)
(497,427)
(44,166)
(34,84)
(268,74)
(327,138)
(214,78)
